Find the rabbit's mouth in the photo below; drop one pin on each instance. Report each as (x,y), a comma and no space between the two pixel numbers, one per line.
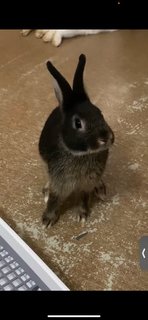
(101,146)
(90,147)
(89,150)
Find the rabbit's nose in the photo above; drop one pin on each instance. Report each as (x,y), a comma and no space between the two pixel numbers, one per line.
(103,135)
(106,137)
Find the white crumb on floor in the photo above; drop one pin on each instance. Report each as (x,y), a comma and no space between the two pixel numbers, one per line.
(116,261)
(116,200)
(138,105)
(67,247)
(110,282)
(25,227)
(134,166)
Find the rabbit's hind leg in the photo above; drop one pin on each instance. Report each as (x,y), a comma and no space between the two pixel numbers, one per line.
(84,210)
(45,192)
(100,191)
(52,212)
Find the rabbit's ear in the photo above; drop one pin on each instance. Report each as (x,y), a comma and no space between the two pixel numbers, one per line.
(62,88)
(78,86)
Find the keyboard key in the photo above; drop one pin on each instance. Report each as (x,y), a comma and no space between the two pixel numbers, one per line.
(19,271)
(8,259)
(22,288)
(3,281)
(11,276)
(9,287)
(6,270)
(14,264)
(36,288)
(30,284)
(17,282)
(3,253)
(1,248)
(2,263)
(25,277)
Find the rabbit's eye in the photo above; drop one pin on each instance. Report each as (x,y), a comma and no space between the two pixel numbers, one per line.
(78,124)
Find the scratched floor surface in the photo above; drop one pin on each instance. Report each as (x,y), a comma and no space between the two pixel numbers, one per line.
(116,76)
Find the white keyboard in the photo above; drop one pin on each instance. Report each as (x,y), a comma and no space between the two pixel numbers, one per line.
(21,268)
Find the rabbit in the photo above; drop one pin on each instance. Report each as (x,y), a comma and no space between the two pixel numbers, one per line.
(74,144)
(56,36)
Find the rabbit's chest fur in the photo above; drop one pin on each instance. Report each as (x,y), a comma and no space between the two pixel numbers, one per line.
(70,173)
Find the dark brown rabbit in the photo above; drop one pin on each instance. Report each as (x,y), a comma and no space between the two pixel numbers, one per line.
(74,144)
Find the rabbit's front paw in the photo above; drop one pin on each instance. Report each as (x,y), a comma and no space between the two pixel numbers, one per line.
(49,218)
